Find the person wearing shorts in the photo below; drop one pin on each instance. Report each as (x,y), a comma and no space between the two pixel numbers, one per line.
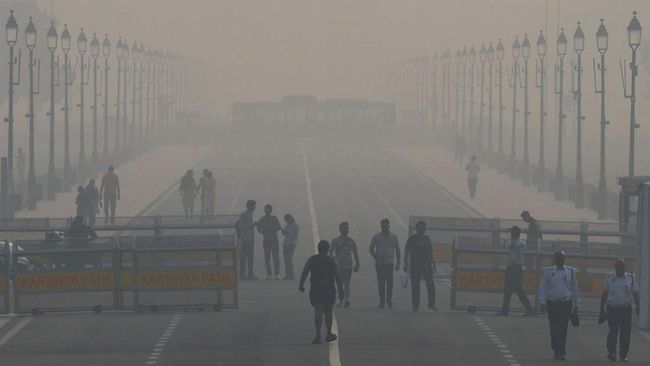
(344,249)
(324,286)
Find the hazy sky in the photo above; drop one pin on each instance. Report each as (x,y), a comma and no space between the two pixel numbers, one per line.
(263,49)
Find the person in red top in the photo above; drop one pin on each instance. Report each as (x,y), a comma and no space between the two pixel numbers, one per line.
(110,190)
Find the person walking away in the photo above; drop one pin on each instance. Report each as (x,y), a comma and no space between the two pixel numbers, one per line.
(206,187)
(110,191)
(290,232)
(187,190)
(81,201)
(246,235)
(534,232)
(343,249)
(472,170)
(620,290)
(514,275)
(559,297)
(323,276)
(419,263)
(94,202)
(20,165)
(269,226)
(384,248)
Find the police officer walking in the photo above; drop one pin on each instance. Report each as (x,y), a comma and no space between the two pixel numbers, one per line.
(418,259)
(514,275)
(620,290)
(559,296)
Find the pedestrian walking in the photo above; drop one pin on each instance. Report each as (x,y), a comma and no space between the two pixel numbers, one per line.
(81,201)
(384,249)
(94,202)
(472,170)
(206,187)
(344,249)
(110,191)
(323,277)
(269,226)
(419,263)
(246,234)
(514,275)
(559,297)
(620,290)
(290,232)
(187,190)
(534,232)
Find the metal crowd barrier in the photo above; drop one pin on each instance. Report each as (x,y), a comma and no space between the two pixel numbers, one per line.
(442,231)
(121,273)
(478,271)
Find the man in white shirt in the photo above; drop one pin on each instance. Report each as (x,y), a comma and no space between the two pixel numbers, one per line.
(620,290)
(559,296)
(514,275)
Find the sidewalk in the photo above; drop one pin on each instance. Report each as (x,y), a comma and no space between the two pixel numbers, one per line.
(141,182)
(497,195)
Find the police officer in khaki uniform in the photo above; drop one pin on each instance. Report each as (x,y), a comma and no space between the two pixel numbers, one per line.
(620,290)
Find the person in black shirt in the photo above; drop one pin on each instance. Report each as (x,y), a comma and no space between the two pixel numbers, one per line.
(269,226)
(418,258)
(323,276)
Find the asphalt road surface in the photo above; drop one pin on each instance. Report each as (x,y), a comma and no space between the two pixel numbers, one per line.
(359,184)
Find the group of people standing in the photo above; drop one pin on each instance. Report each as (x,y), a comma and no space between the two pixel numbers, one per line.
(189,189)
(89,199)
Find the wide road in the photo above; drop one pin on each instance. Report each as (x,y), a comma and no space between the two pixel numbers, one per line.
(359,184)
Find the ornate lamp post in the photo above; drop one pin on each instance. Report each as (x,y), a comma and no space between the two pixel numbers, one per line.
(30,42)
(500,53)
(578,47)
(482,58)
(525,167)
(471,58)
(119,50)
(141,56)
(459,60)
(602,40)
(94,52)
(463,57)
(66,41)
(516,53)
(559,72)
(490,58)
(106,52)
(133,141)
(11,32)
(541,81)
(125,126)
(52,40)
(82,46)
(634,41)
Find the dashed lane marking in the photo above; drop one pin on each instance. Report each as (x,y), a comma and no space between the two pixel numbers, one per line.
(159,347)
(13,331)
(334,355)
(501,346)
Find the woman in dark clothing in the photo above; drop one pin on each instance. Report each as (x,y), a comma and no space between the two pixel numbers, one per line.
(188,192)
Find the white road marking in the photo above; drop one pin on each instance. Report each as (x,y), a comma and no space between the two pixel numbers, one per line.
(13,331)
(382,198)
(160,345)
(502,347)
(334,355)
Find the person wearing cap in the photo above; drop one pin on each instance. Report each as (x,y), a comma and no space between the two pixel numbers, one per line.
(514,275)
(620,290)
(559,297)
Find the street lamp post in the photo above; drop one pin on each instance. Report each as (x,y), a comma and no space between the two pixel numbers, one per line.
(499,83)
(147,98)
(458,59)
(447,63)
(482,59)
(66,41)
(634,41)
(516,53)
(106,52)
(30,42)
(132,135)
(52,40)
(125,127)
(602,40)
(119,51)
(434,89)
(82,45)
(540,73)
(471,55)
(559,72)
(141,54)
(525,166)
(463,57)
(11,32)
(490,58)
(94,52)
(578,47)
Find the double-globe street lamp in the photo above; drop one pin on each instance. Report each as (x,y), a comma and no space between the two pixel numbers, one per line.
(30,42)
(82,46)
(11,32)
(540,73)
(500,54)
(525,167)
(634,41)
(559,171)
(602,40)
(578,47)
(66,41)
(94,53)
(106,52)
(52,41)
(516,54)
